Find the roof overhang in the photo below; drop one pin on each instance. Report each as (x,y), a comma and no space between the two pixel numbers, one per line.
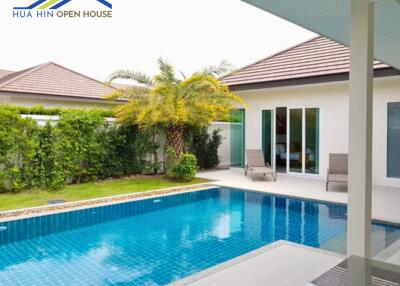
(340,77)
(57,97)
(331,18)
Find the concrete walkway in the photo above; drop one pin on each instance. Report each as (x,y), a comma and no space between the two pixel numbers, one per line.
(385,201)
(279,264)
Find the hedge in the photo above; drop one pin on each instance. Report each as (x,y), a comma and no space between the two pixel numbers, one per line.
(204,146)
(40,110)
(81,147)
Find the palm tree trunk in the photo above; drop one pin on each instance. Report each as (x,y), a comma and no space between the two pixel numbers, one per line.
(175,139)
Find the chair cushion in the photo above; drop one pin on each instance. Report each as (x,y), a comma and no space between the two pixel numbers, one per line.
(344,178)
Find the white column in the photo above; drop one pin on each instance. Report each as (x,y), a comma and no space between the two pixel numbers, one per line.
(360,128)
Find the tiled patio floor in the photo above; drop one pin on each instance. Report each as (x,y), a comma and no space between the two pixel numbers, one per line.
(385,201)
(279,264)
(385,207)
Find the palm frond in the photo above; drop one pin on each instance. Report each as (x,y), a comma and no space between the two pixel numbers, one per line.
(196,100)
(135,92)
(223,68)
(183,75)
(139,77)
(167,72)
(129,92)
(115,95)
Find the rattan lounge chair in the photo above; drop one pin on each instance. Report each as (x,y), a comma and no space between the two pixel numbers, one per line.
(338,169)
(256,164)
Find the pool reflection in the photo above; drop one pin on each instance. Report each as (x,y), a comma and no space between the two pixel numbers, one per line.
(155,244)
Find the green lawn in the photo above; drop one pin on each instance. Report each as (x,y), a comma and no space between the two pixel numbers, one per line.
(87,191)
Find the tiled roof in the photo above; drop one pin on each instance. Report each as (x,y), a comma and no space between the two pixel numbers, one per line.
(4,73)
(317,57)
(53,79)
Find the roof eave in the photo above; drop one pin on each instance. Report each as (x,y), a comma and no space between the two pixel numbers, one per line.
(378,73)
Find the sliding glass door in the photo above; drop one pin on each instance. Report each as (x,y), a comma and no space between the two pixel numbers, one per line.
(267,136)
(312,141)
(295,139)
(281,139)
(237,138)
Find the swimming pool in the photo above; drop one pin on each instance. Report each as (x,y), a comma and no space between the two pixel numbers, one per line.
(160,240)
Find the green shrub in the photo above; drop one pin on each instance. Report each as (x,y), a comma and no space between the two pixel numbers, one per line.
(18,144)
(204,146)
(40,110)
(185,169)
(127,151)
(48,173)
(81,147)
(77,146)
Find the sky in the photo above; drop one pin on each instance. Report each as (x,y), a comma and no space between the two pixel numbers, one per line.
(187,33)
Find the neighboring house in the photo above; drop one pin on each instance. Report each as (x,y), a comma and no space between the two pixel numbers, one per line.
(298,110)
(51,85)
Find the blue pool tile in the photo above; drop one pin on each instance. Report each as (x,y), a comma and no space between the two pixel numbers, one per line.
(158,241)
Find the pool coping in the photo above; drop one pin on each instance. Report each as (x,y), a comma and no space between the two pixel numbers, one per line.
(237,260)
(12,215)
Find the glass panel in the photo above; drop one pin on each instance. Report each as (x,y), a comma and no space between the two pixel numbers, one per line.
(281,134)
(237,138)
(393,148)
(296,140)
(312,140)
(267,135)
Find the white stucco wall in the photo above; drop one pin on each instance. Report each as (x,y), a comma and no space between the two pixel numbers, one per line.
(332,99)
(29,100)
(224,150)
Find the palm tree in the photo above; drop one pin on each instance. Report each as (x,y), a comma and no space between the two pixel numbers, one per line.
(172,103)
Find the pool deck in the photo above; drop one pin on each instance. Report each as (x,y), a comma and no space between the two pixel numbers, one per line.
(268,265)
(279,264)
(385,201)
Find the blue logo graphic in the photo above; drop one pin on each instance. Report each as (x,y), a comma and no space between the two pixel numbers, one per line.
(55,4)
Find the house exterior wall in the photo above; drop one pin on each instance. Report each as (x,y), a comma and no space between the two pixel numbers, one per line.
(224,150)
(332,99)
(29,100)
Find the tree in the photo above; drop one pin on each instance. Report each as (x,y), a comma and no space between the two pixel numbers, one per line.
(171,103)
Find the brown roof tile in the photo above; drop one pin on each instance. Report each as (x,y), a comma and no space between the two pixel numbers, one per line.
(53,79)
(317,57)
(4,73)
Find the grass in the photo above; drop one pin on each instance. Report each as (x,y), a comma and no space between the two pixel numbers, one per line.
(78,192)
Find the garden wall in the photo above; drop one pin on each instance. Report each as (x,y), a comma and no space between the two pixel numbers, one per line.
(48,148)
(224,150)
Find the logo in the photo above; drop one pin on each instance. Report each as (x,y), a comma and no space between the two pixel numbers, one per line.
(56,8)
(55,4)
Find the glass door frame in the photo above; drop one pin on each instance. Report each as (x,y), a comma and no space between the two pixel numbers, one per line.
(273,139)
(303,140)
(288,108)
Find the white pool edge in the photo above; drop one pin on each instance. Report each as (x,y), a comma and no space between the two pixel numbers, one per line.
(235,261)
(103,201)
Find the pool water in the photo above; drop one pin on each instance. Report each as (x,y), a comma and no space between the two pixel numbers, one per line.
(159,241)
